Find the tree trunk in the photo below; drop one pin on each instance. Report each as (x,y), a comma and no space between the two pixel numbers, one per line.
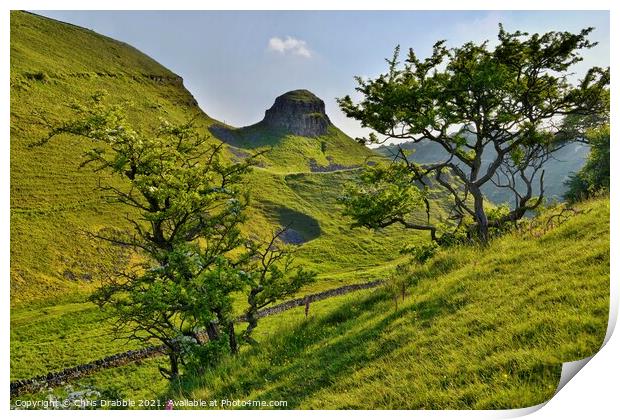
(173,357)
(482,223)
(251,317)
(174,365)
(232,338)
(212,331)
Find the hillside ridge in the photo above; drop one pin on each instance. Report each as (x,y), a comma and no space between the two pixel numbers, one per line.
(53,202)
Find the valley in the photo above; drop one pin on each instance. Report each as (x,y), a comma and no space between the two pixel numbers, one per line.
(369,348)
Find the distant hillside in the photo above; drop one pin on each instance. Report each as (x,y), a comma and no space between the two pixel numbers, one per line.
(297,135)
(557,170)
(53,203)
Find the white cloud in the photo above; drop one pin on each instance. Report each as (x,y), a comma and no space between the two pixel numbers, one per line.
(289,45)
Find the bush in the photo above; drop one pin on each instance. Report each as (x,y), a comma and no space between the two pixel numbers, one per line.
(197,357)
(421,253)
(593,178)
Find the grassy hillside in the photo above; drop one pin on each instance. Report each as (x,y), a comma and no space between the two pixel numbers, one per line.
(476,330)
(57,333)
(53,335)
(285,153)
(53,202)
(54,265)
(297,136)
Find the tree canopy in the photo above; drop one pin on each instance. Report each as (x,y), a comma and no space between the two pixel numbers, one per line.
(186,205)
(496,112)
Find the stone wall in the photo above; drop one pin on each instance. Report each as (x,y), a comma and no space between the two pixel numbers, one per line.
(53,379)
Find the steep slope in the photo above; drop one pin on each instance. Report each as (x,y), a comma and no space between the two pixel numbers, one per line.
(298,112)
(297,135)
(476,330)
(53,203)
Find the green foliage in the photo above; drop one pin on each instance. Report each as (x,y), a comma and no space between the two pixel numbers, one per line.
(273,276)
(503,314)
(55,265)
(478,331)
(184,195)
(199,357)
(191,207)
(593,178)
(421,253)
(53,201)
(453,236)
(499,219)
(500,99)
(385,195)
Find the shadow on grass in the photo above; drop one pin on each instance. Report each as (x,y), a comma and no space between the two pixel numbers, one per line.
(317,353)
(250,137)
(301,227)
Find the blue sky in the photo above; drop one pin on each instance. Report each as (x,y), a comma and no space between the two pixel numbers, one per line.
(236,63)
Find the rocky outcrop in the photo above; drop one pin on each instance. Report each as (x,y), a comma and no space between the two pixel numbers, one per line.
(298,112)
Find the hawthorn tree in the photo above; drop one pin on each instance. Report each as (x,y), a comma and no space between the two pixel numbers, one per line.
(496,114)
(274,275)
(186,206)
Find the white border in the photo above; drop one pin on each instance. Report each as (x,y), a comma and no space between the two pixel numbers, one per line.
(593,393)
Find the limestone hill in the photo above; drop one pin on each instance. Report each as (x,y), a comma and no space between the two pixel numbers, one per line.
(297,135)
(298,112)
(53,202)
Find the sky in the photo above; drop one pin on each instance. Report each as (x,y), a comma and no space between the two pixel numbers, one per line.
(236,63)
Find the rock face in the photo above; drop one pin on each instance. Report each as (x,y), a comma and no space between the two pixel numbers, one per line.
(298,112)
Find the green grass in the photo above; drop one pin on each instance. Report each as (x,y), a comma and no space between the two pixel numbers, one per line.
(479,330)
(286,153)
(53,203)
(54,265)
(301,95)
(308,202)
(142,380)
(476,330)
(31,53)
(61,336)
